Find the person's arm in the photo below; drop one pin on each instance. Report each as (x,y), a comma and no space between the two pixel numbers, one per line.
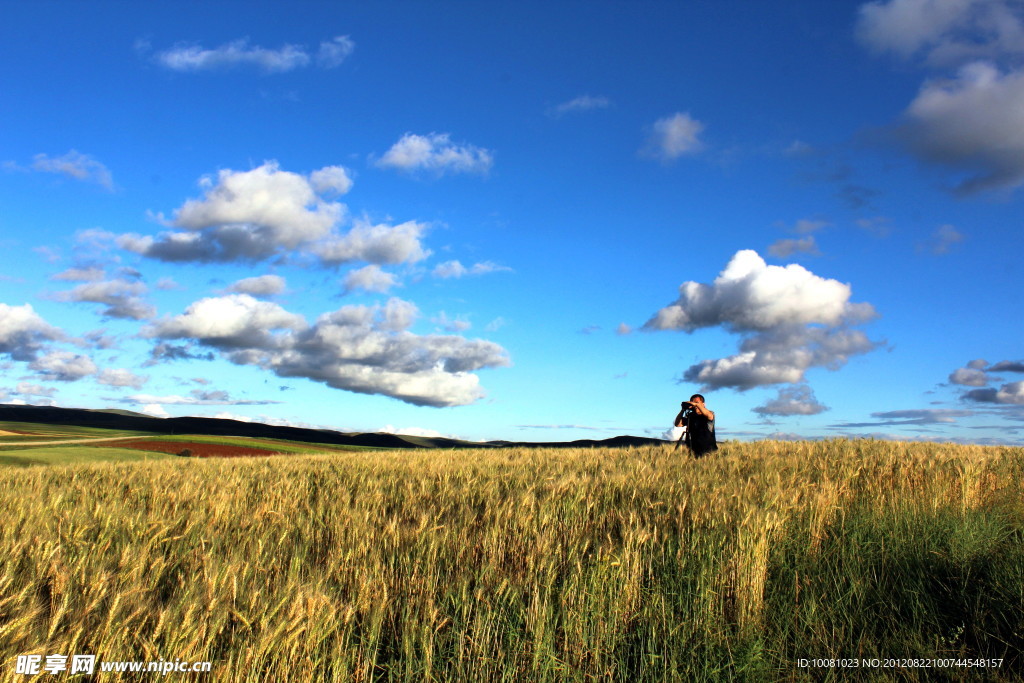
(703,411)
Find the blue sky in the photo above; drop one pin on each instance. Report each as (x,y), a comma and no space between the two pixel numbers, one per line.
(524,221)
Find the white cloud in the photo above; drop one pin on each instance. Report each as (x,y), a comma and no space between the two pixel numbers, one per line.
(335,51)
(943,239)
(121,378)
(581,103)
(969,377)
(370,278)
(451,324)
(155,410)
(973,123)
(414,431)
(790,319)
(198,398)
(26,389)
(75,165)
(796,400)
(92,274)
(233,321)
(943,31)
(436,153)
(674,136)
(63,366)
(261,285)
(751,295)
(355,348)
(331,179)
(234,54)
(23,333)
(281,202)
(379,244)
(623,329)
(1009,394)
(121,298)
(455,269)
(247,215)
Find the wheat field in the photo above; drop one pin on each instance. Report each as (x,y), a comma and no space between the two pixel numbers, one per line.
(523,564)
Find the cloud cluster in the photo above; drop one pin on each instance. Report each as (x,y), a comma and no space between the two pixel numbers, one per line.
(943,32)
(267,212)
(790,320)
(970,119)
(355,348)
(239,53)
(436,153)
(977,373)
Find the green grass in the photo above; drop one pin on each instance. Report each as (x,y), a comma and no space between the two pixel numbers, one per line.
(74,455)
(525,564)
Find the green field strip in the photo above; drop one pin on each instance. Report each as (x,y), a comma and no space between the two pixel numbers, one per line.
(37,430)
(75,455)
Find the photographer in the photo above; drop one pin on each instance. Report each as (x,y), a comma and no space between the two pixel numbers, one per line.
(698,425)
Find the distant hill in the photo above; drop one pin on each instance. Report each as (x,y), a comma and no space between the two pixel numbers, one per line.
(131,421)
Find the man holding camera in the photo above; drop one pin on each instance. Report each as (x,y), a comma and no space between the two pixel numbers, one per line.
(698,425)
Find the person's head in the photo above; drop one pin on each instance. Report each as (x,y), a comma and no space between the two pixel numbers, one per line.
(696,398)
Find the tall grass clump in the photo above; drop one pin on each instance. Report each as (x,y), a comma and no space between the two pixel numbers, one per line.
(520,564)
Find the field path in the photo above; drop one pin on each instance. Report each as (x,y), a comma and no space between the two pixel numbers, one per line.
(67,441)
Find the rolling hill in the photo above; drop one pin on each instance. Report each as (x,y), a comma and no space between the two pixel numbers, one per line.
(130,421)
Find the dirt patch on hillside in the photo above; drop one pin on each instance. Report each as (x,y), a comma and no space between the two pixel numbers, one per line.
(198,449)
(8,433)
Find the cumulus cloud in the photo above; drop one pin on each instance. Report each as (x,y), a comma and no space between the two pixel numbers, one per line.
(970,121)
(247,215)
(23,334)
(230,322)
(75,165)
(674,136)
(369,278)
(969,377)
(121,378)
(240,53)
(261,285)
(380,244)
(436,153)
(122,298)
(973,123)
(789,318)
(455,269)
(797,400)
(63,366)
(578,104)
(355,348)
